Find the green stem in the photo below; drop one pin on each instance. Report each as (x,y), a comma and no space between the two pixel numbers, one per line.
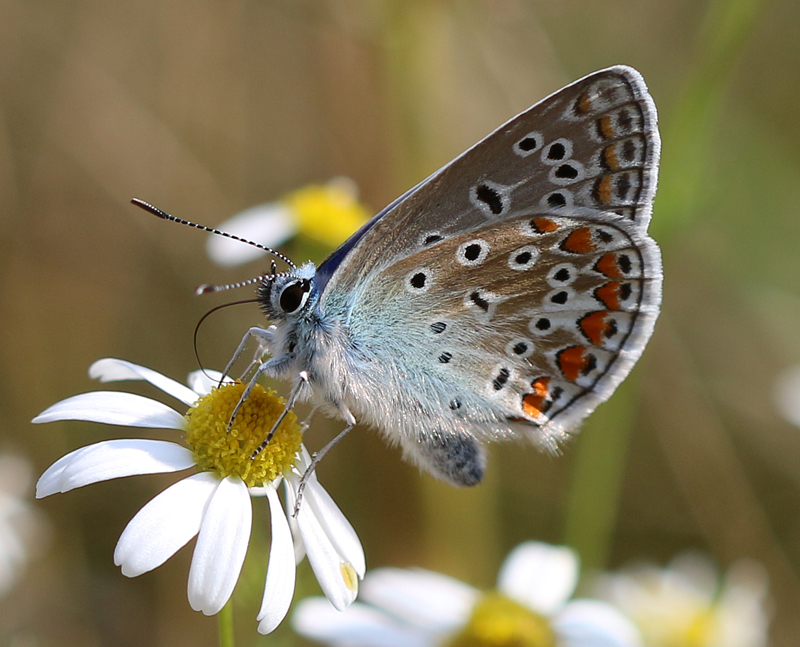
(225,620)
(597,478)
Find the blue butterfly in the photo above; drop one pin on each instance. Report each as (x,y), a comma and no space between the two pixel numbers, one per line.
(504,297)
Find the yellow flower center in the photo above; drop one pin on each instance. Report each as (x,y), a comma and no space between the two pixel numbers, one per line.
(700,630)
(328,213)
(228,453)
(498,621)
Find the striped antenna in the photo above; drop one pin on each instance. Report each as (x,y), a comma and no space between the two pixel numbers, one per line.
(164,215)
(206,288)
(270,276)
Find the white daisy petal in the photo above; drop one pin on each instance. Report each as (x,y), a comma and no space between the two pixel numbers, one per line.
(112,459)
(299,547)
(598,624)
(356,626)
(337,578)
(279,587)
(114,408)
(786,394)
(164,525)
(114,370)
(269,224)
(539,576)
(338,528)
(694,571)
(335,524)
(201,382)
(221,546)
(671,603)
(431,601)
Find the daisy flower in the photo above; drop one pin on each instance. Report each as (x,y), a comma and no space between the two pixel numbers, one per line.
(214,502)
(688,605)
(417,608)
(23,530)
(327,213)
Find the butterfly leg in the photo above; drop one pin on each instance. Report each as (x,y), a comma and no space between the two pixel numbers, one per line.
(318,456)
(264,338)
(457,459)
(307,421)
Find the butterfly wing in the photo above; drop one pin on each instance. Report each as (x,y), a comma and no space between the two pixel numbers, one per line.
(534,320)
(514,289)
(593,144)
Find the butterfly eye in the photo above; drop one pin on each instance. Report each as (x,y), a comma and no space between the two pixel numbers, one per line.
(294,295)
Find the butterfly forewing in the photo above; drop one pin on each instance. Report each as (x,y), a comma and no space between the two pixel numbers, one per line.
(592,144)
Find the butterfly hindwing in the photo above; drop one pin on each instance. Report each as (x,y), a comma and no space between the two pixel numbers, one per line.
(532,320)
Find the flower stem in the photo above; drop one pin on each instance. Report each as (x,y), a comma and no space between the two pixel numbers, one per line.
(225,620)
(597,478)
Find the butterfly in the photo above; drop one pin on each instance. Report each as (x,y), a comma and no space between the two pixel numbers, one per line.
(504,297)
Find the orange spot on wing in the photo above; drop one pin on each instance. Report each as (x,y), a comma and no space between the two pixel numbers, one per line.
(579,241)
(594,326)
(607,127)
(605,190)
(544,225)
(609,266)
(534,404)
(541,386)
(585,103)
(609,295)
(610,155)
(573,361)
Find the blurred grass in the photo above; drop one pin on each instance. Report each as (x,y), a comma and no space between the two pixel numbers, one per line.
(205,109)
(691,125)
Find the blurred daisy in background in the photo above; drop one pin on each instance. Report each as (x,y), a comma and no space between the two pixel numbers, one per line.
(787,394)
(327,213)
(418,608)
(214,503)
(688,605)
(23,530)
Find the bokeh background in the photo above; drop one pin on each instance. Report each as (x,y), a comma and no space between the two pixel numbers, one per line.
(205,108)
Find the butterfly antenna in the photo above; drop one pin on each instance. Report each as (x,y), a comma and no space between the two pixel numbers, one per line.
(271,276)
(207,287)
(165,216)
